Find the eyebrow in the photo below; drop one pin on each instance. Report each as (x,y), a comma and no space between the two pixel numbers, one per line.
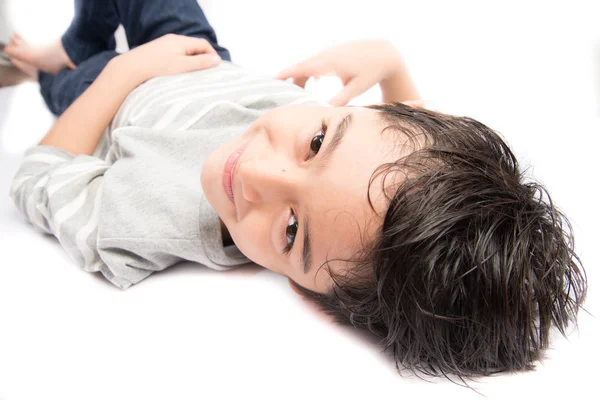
(323,163)
(339,134)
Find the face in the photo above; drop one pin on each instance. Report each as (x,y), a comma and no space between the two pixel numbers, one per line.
(295,177)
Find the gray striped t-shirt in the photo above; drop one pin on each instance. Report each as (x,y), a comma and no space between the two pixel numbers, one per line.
(136,205)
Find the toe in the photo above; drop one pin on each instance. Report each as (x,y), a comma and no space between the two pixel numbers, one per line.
(20,52)
(10,50)
(25,67)
(13,51)
(15,40)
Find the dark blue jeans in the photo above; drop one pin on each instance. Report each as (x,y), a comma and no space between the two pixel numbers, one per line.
(90,43)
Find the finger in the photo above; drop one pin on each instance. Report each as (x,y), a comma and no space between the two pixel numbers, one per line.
(304,69)
(352,89)
(194,46)
(298,78)
(301,81)
(202,61)
(286,73)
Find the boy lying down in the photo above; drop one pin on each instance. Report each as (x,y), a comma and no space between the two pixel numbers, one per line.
(415,225)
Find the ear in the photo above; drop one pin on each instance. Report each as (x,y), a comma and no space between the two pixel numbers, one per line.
(294,287)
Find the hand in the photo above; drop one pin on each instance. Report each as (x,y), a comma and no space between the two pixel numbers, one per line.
(360,65)
(171,54)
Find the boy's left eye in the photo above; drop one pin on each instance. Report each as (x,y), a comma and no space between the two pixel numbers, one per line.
(317,140)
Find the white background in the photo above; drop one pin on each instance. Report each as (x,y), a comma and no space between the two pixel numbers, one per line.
(530,70)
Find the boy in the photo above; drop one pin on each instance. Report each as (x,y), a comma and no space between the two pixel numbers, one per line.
(412,224)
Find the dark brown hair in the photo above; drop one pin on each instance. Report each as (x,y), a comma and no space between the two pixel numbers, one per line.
(472,265)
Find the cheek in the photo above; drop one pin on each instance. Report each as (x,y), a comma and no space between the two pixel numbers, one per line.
(253,240)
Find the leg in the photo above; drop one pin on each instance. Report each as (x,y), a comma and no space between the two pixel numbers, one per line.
(28,58)
(96,21)
(91,32)
(62,89)
(92,29)
(146,20)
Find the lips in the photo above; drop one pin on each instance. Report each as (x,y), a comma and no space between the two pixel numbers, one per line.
(228,171)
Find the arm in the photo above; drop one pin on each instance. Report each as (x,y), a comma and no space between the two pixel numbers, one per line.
(399,86)
(80,127)
(61,194)
(360,65)
(58,186)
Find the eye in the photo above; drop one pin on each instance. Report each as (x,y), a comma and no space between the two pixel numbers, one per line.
(317,140)
(290,233)
(289,236)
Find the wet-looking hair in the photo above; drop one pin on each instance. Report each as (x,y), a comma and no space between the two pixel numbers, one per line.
(472,265)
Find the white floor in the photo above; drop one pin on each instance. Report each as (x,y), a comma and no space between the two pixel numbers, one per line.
(530,71)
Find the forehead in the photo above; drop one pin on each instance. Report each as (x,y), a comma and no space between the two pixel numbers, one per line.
(337,201)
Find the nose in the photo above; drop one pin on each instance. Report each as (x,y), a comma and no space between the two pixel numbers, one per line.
(267,180)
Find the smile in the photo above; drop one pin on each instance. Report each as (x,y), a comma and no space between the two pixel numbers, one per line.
(228,171)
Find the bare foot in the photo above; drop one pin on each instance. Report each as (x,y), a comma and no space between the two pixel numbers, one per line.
(26,68)
(10,76)
(51,57)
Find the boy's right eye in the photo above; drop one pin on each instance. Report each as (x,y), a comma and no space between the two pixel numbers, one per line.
(290,233)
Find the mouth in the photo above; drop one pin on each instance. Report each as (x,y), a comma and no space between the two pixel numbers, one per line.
(229,170)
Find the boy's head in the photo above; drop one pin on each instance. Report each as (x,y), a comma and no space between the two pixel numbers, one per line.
(286,176)
(424,232)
